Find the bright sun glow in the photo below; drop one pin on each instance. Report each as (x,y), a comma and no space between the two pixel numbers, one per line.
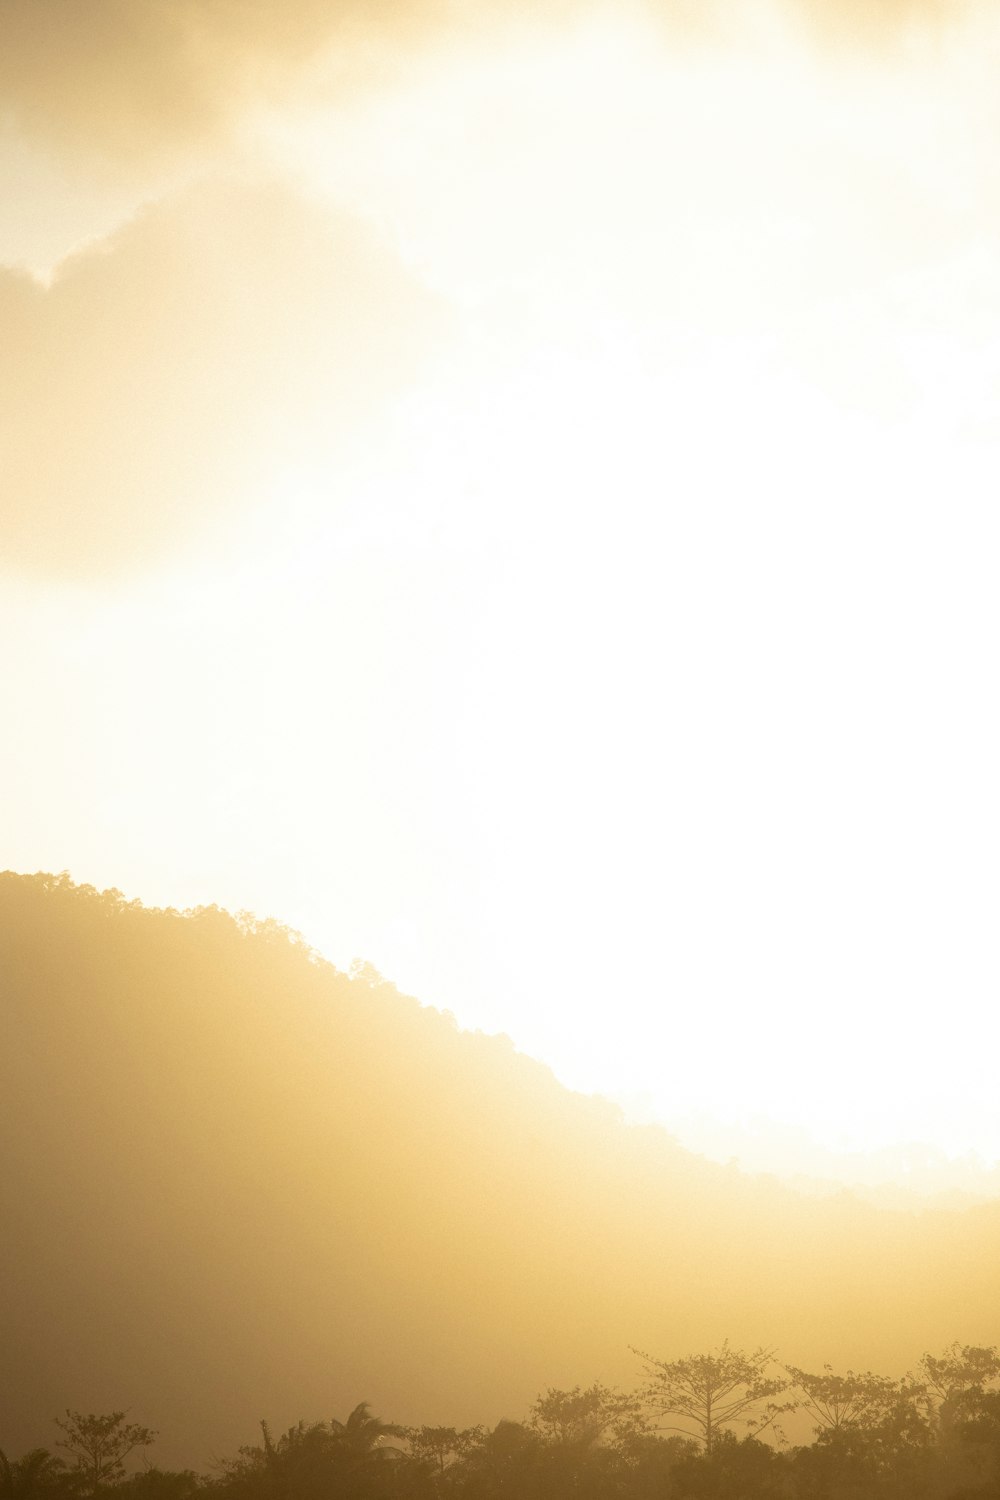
(625,682)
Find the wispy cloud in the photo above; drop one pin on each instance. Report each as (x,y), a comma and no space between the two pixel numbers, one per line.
(131,79)
(225,332)
(134,81)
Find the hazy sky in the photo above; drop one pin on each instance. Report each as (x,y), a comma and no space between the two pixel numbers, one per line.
(511,491)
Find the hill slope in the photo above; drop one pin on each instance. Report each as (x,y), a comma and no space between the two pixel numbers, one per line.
(237,1182)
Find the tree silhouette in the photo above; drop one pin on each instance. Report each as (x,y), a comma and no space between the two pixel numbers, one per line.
(956,1377)
(713,1391)
(362,1436)
(99,1446)
(585,1416)
(846,1400)
(317,1460)
(441,1448)
(31,1476)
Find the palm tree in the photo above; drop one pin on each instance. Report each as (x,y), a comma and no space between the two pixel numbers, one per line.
(319,1460)
(361,1437)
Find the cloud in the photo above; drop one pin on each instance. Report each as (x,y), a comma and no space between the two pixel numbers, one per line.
(882,30)
(230,332)
(863,22)
(222,337)
(138,80)
(143,81)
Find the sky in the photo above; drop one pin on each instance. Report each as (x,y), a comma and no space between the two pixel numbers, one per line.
(510,491)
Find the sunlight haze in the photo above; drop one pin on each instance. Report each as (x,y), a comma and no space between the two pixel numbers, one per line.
(512,494)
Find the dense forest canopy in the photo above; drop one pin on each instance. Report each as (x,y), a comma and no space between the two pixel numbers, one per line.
(237,1180)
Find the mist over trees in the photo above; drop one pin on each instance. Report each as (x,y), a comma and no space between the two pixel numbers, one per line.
(932,1435)
(236,1181)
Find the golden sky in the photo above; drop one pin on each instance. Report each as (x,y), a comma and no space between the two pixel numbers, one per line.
(511,490)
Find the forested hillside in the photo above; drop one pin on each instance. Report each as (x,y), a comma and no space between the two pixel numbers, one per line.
(238,1182)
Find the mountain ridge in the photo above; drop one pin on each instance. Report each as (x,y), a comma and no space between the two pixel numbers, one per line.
(236,1179)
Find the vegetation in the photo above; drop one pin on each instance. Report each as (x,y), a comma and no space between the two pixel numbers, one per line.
(98,1447)
(872,1438)
(710,1392)
(236,1180)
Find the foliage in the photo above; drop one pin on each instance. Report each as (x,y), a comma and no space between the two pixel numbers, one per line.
(876,1438)
(711,1392)
(837,1401)
(953,1380)
(598,1414)
(206,1074)
(745,1468)
(362,1436)
(317,1460)
(442,1447)
(99,1445)
(962,1367)
(34,1476)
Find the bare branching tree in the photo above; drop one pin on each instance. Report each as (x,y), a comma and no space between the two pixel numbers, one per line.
(714,1392)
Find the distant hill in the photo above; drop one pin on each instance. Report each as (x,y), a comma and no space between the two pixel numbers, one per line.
(235,1182)
(909,1175)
